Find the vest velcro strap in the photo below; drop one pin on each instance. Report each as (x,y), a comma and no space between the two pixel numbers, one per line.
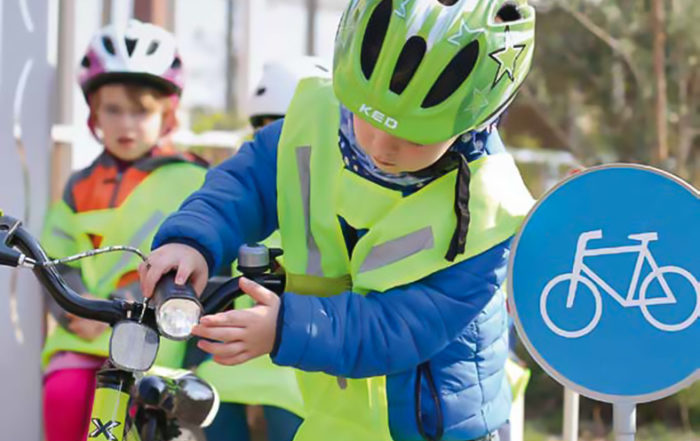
(317,286)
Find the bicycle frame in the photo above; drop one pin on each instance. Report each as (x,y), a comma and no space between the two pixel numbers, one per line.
(111,405)
(644,254)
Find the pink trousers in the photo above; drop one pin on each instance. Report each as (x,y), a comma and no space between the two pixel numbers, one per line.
(68,395)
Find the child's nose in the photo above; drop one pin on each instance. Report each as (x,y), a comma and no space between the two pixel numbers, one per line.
(129,120)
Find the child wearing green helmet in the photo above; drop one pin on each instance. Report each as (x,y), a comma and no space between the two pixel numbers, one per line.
(396,203)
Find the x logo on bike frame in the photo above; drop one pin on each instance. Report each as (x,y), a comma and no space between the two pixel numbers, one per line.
(104,429)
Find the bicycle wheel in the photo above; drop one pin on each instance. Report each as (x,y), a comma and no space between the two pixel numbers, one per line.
(689,317)
(149,431)
(568,333)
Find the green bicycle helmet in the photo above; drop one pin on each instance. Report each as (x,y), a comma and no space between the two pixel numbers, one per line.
(427,70)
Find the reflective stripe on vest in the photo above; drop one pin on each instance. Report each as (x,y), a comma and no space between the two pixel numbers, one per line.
(62,234)
(313,265)
(397,249)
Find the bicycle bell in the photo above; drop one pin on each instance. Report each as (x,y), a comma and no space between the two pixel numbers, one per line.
(256,259)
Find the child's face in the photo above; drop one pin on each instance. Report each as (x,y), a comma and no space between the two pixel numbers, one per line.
(131,122)
(395,155)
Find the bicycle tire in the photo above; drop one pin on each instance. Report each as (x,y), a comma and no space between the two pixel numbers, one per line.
(644,306)
(550,323)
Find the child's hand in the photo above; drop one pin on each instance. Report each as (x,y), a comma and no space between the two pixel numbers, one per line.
(245,333)
(85,328)
(188,262)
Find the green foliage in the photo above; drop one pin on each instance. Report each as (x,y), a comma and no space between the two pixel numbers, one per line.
(594,74)
(204,121)
(688,401)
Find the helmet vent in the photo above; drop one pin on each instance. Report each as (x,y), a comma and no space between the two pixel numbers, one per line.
(374,37)
(85,62)
(176,64)
(447,2)
(456,73)
(260,91)
(108,45)
(153,47)
(508,13)
(407,64)
(130,45)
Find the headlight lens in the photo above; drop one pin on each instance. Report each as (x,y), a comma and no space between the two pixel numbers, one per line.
(176,317)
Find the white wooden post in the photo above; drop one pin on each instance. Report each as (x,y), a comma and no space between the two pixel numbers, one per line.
(25,109)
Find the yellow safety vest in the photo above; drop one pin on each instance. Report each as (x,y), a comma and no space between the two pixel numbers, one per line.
(134,223)
(407,239)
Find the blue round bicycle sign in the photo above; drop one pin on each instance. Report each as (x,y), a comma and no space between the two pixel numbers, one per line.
(604,283)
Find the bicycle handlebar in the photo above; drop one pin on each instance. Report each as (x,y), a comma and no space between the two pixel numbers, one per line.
(222,291)
(12,235)
(33,255)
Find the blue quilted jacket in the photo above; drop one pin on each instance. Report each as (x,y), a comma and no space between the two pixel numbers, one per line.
(441,341)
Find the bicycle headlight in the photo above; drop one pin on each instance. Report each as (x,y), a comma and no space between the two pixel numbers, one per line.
(177,316)
(177,308)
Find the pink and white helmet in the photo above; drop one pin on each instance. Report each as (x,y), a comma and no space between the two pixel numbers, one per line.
(139,52)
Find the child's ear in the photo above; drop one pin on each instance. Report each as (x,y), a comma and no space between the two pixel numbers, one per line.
(170,122)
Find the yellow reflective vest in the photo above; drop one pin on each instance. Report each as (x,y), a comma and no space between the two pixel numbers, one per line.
(407,240)
(134,223)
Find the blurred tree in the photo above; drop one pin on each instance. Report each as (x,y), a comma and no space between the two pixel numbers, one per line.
(689,405)
(600,74)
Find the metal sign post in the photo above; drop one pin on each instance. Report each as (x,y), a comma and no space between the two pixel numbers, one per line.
(571,405)
(604,286)
(624,421)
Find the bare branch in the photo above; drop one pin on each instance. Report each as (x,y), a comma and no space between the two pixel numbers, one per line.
(606,38)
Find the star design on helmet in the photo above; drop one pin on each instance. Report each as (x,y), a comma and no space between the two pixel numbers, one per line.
(478,102)
(401,11)
(507,58)
(461,32)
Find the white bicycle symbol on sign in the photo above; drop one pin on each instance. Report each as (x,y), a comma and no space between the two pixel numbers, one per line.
(583,274)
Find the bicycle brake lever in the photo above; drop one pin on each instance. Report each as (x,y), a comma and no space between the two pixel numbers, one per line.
(10,256)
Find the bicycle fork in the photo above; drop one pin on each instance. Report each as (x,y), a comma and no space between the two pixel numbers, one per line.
(110,406)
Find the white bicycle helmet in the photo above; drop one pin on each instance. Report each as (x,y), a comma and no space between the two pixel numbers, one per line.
(279,80)
(139,52)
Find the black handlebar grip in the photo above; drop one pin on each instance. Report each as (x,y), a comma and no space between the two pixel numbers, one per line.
(166,288)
